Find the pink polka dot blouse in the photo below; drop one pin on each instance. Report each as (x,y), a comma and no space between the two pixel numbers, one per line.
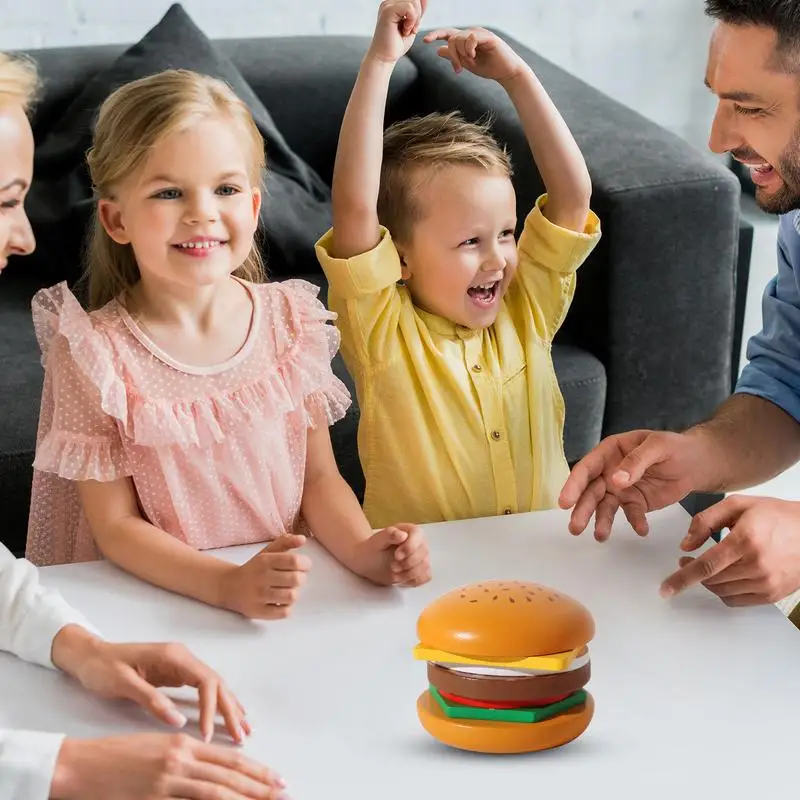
(216,454)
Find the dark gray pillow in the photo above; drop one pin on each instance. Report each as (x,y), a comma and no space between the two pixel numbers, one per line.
(297,203)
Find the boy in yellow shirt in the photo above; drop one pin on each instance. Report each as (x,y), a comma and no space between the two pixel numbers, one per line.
(447,322)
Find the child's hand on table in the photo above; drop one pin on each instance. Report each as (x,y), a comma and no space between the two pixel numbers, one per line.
(267,585)
(397,556)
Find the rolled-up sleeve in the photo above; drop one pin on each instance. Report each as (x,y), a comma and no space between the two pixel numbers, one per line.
(30,614)
(773,354)
(27,764)
(30,617)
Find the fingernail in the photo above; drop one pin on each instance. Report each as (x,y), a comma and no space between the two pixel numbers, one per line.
(207,736)
(622,477)
(176,718)
(667,591)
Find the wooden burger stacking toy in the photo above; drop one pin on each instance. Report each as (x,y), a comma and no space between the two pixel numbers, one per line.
(507,663)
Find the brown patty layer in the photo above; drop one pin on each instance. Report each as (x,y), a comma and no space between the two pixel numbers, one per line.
(512,689)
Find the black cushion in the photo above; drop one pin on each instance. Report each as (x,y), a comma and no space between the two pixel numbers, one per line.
(296,208)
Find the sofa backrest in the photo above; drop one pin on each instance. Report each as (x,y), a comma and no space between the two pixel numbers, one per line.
(305,83)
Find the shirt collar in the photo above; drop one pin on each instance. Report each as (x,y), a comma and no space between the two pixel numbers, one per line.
(444,327)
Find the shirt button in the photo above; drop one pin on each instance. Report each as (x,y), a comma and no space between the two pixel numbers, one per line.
(496,435)
(477,368)
(507,511)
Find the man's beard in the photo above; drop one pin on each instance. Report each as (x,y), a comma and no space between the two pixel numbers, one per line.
(787,198)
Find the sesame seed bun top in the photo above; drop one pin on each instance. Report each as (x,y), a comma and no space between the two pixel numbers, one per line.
(505,620)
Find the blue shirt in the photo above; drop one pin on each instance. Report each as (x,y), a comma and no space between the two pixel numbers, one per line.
(773,371)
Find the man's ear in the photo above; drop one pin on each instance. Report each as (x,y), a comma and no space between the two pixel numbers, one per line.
(110,216)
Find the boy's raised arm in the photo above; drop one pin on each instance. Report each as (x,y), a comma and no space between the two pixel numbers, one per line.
(356,174)
(558,158)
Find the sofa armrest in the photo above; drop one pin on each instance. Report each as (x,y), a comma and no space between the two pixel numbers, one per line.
(655,301)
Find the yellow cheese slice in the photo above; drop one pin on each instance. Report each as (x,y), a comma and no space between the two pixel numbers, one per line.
(554,662)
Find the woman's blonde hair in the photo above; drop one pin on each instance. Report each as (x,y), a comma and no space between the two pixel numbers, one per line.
(19,80)
(133,120)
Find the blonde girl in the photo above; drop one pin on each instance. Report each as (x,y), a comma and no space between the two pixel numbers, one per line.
(189,409)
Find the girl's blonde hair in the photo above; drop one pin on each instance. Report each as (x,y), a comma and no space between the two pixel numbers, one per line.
(133,120)
(19,80)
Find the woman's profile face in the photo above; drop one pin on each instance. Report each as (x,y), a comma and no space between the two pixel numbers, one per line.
(16,173)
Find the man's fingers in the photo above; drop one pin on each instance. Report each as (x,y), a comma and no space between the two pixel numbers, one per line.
(637,462)
(742,570)
(724,514)
(587,505)
(744,600)
(590,467)
(633,506)
(604,517)
(733,589)
(706,566)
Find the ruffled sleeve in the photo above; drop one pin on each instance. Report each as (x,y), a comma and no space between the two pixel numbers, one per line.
(83,399)
(306,342)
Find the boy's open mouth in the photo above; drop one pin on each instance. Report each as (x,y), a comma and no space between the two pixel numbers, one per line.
(485,293)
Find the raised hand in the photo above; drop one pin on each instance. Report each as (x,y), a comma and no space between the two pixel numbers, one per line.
(396,29)
(479,51)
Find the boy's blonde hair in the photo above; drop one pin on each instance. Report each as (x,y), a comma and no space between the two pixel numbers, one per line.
(423,143)
(19,80)
(133,120)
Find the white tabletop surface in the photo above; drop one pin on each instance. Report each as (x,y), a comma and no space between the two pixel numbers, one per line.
(692,699)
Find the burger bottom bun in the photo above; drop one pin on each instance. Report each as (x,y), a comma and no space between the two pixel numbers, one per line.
(484,736)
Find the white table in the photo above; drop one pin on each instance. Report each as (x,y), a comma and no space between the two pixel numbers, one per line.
(692,699)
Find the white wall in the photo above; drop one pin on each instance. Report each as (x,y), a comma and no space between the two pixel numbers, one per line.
(650,54)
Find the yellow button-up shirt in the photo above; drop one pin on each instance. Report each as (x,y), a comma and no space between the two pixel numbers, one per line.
(458,423)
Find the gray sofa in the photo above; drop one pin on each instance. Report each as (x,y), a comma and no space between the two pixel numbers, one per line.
(648,340)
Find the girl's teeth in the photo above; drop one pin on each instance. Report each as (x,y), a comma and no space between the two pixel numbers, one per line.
(198,245)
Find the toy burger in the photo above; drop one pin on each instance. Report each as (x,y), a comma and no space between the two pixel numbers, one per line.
(507,666)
